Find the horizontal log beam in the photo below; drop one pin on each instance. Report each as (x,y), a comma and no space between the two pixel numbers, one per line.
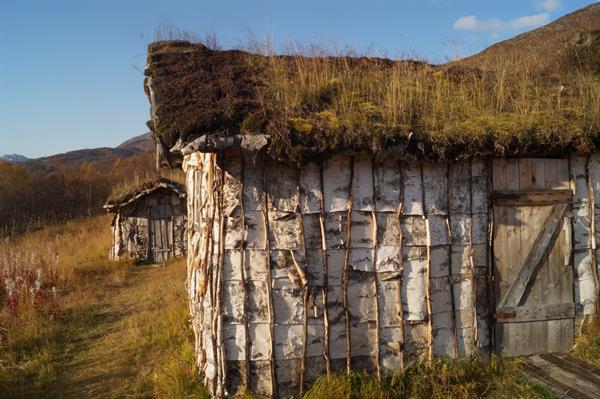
(535,313)
(532,197)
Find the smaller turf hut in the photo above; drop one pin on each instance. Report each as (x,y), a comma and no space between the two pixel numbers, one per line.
(149,222)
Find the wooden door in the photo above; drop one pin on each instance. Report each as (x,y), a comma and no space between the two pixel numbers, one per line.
(161,233)
(533,274)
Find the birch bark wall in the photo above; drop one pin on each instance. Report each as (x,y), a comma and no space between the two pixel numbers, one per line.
(358,263)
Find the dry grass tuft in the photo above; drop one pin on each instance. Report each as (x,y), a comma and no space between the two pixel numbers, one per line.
(587,345)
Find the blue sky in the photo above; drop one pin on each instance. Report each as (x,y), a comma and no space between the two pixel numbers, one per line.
(70,72)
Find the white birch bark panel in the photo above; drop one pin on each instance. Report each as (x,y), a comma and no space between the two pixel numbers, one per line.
(314,268)
(335,305)
(480,259)
(389,303)
(282,266)
(362,229)
(581,225)
(337,341)
(335,229)
(388,184)
(442,344)
(232,265)
(288,376)
(314,306)
(440,296)
(586,291)
(459,187)
(413,189)
(255,230)
(232,187)
(314,340)
(435,184)
(233,302)
(362,339)
(460,227)
(361,259)
(281,181)
(312,231)
(388,229)
(414,231)
(234,338)
(480,193)
(439,262)
(335,265)
(465,341)
(336,183)
(417,340)
(578,180)
(288,307)
(362,185)
(288,341)
(362,301)
(463,294)
(284,231)
(260,378)
(260,344)
(253,182)
(257,302)
(460,258)
(310,188)
(391,342)
(234,230)
(388,258)
(479,232)
(255,265)
(438,230)
(414,284)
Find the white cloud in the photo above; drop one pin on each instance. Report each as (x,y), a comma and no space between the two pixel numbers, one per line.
(549,5)
(495,26)
(529,21)
(471,23)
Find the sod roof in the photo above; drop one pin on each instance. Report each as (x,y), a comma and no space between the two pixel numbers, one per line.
(305,106)
(127,195)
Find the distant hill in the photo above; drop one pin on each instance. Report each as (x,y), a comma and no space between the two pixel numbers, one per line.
(14,158)
(544,49)
(103,158)
(143,142)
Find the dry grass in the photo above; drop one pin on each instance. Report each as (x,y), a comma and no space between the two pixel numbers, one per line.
(111,329)
(324,103)
(461,378)
(587,345)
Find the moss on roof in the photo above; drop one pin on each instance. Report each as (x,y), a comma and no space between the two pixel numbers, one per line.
(316,105)
(122,196)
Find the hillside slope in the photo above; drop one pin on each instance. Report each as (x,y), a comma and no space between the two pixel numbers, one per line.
(543,49)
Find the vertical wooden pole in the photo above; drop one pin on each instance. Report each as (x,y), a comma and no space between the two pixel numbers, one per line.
(401,310)
(592,216)
(325,272)
(218,314)
(345,278)
(305,287)
(265,213)
(450,278)
(375,277)
(246,375)
(428,270)
(491,289)
(472,263)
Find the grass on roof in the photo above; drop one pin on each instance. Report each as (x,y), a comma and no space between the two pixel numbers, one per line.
(320,104)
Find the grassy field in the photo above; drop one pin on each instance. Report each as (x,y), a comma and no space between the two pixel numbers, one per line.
(84,327)
(74,325)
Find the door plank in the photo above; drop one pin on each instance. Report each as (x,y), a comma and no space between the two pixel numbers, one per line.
(536,313)
(531,197)
(544,240)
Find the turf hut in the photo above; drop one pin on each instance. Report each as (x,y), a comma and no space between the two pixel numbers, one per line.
(329,231)
(149,222)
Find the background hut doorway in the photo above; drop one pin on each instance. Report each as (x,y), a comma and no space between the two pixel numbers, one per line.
(533,270)
(160,229)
